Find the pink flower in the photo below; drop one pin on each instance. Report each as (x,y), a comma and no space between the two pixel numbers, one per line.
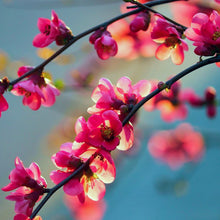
(172,44)
(30,187)
(140,22)
(90,209)
(21,176)
(171,103)
(176,147)
(204,31)
(131,94)
(104,97)
(25,199)
(52,30)
(104,44)
(24,217)
(183,11)
(4,83)
(36,90)
(101,130)
(209,100)
(120,98)
(91,180)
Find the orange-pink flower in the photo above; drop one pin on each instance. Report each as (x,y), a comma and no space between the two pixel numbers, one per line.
(178,146)
(90,209)
(170,38)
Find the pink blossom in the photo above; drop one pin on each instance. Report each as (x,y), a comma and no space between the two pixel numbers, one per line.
(25,217)
(52,30)
(4,83)
(176,147)
(183,11)
(131,94)
(91,181)
(120,98)
(25,199)
(21,176)
(36,90)
(209,100)
(171,43)
(90,209)
(171,103)
(101,130)
(140,22)
(104,97)
(105,46)
(204,31)
(30,187)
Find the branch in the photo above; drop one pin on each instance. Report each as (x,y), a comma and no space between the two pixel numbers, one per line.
(169,83)
(41,66)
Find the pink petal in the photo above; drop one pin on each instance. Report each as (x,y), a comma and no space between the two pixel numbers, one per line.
(3,104)
(33,101)
(163,52)
(42,40)
(96,189)
(43,24)
(73,187)
(57,176)
(177,55)
(127,137)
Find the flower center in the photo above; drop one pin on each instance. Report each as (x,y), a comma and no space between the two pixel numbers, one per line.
(216,35)
(172,41)
(47,30)
(107,133)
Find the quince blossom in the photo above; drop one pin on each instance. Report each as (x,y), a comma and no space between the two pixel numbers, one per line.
(100,130)
(209,100)
(37,90)
(104,44)
(171,43)
(52,30)
(140,22)
(30,187)
(205,32)
(90,209)
(91,181)
(120,98)
(171,103)
(178,146)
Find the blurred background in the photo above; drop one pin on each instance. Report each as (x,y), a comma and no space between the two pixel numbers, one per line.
(144,188)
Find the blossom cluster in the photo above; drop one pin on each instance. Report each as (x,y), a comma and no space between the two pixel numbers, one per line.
(122,39)
(105,130)
(29,185)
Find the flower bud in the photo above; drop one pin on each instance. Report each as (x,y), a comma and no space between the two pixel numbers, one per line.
(141,22)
